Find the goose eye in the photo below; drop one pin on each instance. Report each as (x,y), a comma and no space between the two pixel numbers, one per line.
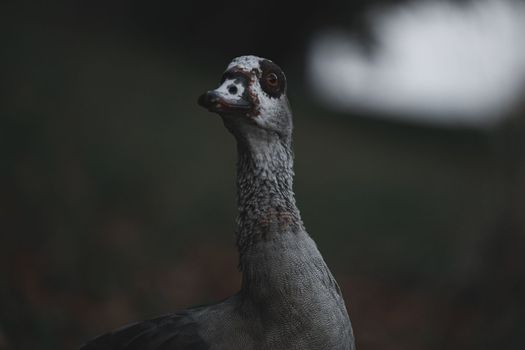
(272,80)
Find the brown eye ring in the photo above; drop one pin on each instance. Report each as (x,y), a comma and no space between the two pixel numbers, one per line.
(272,80)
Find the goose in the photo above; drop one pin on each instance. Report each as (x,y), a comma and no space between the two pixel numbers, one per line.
(289,299)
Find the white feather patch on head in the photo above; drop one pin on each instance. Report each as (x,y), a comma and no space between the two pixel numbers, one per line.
(224,89)
(246,63)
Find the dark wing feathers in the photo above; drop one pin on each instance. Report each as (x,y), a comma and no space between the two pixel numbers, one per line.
(170,332)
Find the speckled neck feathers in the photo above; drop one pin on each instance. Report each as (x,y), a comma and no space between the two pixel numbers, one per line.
(265,195)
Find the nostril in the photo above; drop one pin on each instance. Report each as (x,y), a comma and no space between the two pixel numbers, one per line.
(232,89)
(207,99)
(212,97)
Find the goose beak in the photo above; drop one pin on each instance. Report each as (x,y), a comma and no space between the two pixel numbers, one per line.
(215,102)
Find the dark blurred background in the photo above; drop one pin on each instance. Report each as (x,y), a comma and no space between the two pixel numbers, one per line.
(117,192)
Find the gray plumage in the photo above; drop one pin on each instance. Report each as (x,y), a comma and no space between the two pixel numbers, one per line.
(288,298)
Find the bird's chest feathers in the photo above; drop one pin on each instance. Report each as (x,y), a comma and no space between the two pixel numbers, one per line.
(288,272)
(293,293)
